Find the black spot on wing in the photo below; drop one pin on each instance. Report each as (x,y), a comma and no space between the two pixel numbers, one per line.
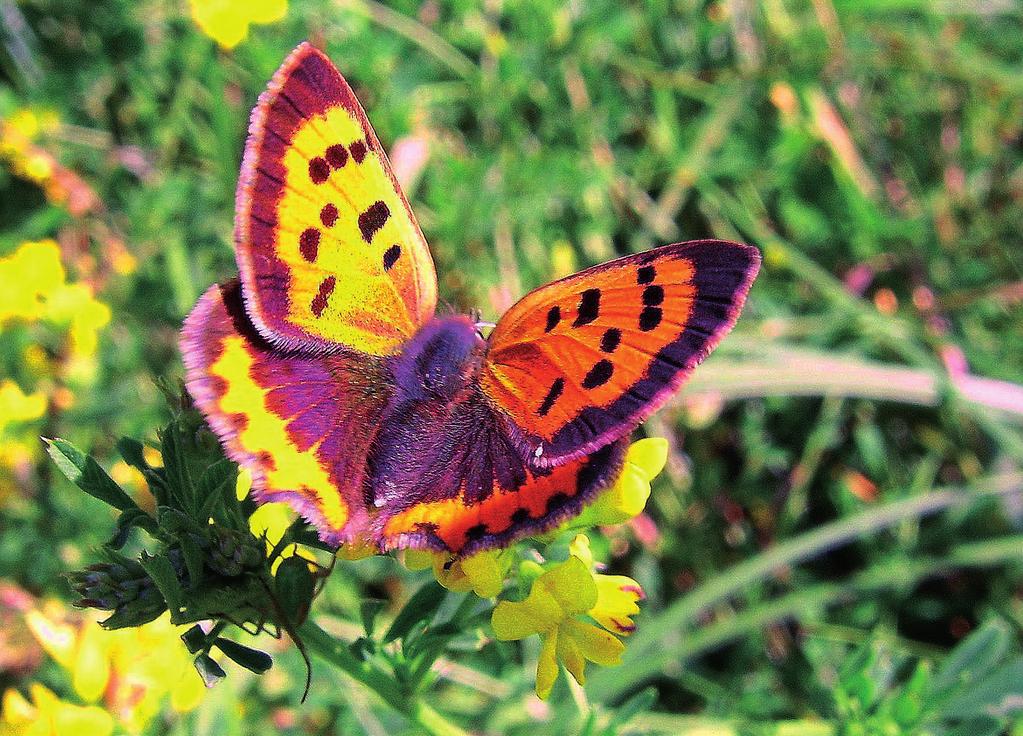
(552,395)
(646,275)
(373,219)
(611,339)
(589,307)
(653,295)
(319,170)
(553,318)
(391,256)
(336,155)
(599,374)
(649,318)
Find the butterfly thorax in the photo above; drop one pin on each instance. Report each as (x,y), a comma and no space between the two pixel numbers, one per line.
(439,361)
(438,437)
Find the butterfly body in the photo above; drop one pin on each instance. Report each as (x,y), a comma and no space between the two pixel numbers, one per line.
(326,374)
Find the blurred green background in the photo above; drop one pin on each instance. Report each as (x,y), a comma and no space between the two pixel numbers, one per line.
(841,506)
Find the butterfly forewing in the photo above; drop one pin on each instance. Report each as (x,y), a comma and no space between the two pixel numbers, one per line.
(579,363)
(329,251)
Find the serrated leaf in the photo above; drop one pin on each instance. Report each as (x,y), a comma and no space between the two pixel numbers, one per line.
(193,560)
(295,585)
(420,607)
(211,486)
(251,659)
(86,473)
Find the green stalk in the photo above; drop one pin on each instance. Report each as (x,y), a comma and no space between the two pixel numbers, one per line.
(336,653)
(656,644)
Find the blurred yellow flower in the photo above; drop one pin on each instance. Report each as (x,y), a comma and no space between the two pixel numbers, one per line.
(17,406)
(129,672)
(30,275)
(44,714)
(227,21)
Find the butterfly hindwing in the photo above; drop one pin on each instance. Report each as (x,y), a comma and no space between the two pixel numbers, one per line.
(580,362)
(463,526)
(301,424)
(329,251)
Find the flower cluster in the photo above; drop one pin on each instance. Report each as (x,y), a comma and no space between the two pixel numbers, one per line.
(38,297)
(227,21)
(578,613)
(20,150)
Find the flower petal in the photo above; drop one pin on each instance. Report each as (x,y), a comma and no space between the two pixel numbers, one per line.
(596,645)
(518,619)
(571,655)
(571,585)
(580,547)
(617,598)
(485,572)
(547,665)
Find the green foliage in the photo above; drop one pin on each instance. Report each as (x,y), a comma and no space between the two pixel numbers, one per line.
(836,548)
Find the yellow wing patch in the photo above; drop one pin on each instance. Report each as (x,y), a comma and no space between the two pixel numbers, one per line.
(264,435)
(329,251)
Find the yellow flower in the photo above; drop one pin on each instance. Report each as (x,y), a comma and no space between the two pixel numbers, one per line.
(17,406)
(482,573)
(227,21)
(644,460)
(47,715)
(30,275)
(552,609)
(270,519)
(129,672)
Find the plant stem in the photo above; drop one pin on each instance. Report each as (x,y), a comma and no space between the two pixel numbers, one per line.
(336,652)
(656,644)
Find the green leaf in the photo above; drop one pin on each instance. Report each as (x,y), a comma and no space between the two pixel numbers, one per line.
(160,569)
(972,658)
(638,703)
(295,585)
(86,473)
(211,487)
(999,694)
(251,659)
(420,607)
(210,672)
(369,610)
(193,560)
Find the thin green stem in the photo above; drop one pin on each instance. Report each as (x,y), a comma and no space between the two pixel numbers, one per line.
(336,653)
(657,644)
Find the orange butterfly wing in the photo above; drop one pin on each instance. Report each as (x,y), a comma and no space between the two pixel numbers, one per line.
(545,500)
(581,362)
(328,249)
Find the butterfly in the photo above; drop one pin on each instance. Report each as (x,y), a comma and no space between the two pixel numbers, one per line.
(326,373)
